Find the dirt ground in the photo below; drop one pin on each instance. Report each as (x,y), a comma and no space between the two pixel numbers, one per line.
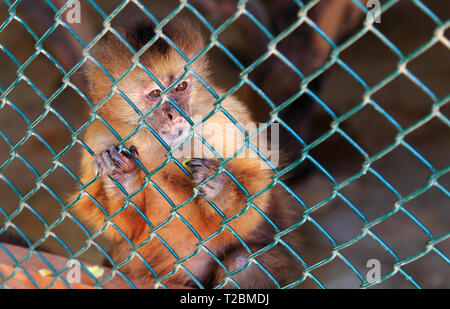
(407,27)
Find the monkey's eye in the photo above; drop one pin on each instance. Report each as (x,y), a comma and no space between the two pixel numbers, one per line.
(155,93)
(182,86)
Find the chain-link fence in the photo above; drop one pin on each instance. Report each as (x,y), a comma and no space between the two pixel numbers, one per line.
(376,188)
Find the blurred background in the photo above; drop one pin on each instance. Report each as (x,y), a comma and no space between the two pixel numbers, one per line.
(404,24)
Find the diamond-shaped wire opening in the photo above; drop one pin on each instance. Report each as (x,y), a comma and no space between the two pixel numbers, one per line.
(365,249)
(18,51)
(343,101)
(64,56)
(400,108)
(370,130)
(375,64)
(343,149)
(398,163)
(435,148)
(423,65)
(430,209)
(26,100)
(337,274)
(248,31)
(20,166)
(422,270)
(417,20)
(34,70)
(339,219)
(416,237)
(370,196)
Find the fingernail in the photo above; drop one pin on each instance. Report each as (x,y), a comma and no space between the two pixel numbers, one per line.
(134,151)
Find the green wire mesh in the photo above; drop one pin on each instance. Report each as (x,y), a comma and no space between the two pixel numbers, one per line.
(213,42)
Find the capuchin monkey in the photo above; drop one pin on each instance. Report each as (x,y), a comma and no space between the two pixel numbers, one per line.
(181,221)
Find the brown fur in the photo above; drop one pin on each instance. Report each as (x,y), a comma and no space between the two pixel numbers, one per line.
(164,62)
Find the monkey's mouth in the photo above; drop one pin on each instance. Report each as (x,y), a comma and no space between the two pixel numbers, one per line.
(175,138)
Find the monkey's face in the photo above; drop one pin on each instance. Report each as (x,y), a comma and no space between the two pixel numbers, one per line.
(136,90)
(167,120)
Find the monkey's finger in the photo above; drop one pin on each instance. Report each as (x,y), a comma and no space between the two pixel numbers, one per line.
(213,187)
(102,164)
(206,163)
(98,164)
(194,162)
(134,152)
(115,155)
(108,164)
(199,173)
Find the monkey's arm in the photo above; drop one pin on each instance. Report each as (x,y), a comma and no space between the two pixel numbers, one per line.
(91,203)
(103,197)
(223,191)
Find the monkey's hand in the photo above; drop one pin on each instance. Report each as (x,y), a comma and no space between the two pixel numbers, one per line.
(112,162)
(201,169)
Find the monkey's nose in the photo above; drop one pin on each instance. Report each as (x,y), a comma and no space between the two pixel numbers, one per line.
(169,116)
(176,132)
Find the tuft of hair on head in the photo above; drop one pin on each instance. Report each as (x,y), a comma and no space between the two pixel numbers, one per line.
(115,57)
(183,33)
